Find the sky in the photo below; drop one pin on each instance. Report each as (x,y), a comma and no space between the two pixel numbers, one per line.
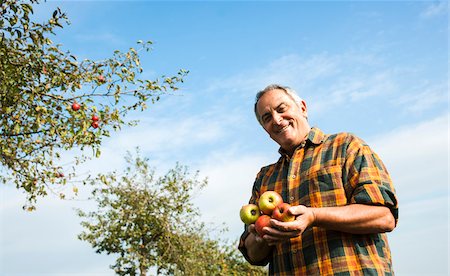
(378,69)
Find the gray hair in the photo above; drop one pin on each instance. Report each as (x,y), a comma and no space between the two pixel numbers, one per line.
(290,92)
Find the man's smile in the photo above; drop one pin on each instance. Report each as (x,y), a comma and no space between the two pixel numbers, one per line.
(281,129)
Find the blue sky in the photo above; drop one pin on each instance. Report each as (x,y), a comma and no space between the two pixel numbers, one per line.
(377,69)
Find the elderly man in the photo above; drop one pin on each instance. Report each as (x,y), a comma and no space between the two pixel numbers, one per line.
(340,192)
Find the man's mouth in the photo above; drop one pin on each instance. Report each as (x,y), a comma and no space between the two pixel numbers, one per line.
(283,129)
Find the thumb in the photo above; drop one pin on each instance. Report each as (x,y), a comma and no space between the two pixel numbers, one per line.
(297,210)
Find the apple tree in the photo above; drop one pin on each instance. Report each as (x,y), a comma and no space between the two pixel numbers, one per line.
(151,222)
(51,102)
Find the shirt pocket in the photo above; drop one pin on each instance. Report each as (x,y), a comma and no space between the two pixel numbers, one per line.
(324,187)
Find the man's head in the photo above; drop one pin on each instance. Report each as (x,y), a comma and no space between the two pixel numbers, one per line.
(283,115)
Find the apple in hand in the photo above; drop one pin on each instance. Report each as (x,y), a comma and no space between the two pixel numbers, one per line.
(268,201)
(249,213)
(75,106)
(281,213)
(261,222)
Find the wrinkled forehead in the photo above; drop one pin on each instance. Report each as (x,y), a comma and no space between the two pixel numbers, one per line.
(272,99)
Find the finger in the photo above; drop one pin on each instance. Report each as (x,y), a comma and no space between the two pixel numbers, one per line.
(285,226)
(276,234)
(251,228)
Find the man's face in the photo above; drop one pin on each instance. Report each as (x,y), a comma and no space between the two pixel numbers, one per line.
(283,119)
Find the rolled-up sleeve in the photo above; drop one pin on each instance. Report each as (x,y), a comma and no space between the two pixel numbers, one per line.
(367,179)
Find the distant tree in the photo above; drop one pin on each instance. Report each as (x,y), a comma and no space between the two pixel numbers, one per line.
(51,102)
(151,222)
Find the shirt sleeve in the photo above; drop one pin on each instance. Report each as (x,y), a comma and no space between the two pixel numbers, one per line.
(368,178)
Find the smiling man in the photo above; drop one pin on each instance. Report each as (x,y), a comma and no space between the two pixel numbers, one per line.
(340,192)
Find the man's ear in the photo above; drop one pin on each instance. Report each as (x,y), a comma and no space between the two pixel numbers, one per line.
(304,109)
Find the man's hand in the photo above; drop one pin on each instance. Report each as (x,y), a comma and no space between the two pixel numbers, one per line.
(257,248)
(258,238)
(281,231)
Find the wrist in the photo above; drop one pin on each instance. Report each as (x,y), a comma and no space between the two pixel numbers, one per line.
(314,217)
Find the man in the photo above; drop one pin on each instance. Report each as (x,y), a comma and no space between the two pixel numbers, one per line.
(340,192)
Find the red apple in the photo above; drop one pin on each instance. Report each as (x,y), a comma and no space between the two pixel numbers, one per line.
(249,213)
(94,124)
(281,213)
(261,222)
(95,118)
(268,201)
(101,79)
(75,106)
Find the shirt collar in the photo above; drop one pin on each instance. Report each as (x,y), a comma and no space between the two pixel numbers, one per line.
(315,137)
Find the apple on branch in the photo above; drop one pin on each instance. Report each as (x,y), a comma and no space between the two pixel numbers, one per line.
(281,213)
(101,79)
(76,106)
(249,213)
(59,174)
(268,201)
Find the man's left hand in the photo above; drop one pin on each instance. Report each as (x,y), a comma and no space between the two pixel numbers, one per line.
(282,231)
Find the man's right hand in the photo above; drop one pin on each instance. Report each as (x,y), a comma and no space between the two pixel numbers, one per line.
(257,247)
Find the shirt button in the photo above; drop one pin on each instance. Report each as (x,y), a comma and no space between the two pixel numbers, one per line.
(291,198)
(294,176)
(294,251)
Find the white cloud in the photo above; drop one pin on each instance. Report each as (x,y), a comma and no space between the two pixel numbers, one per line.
(417,157)
(100,38)
(422,234)
(435,9)
(329,81)
(291,70)
(354,88)
(169,134)
(423,98)
(230,176)
(45,241)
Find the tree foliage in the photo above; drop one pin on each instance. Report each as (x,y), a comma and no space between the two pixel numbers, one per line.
(151,222)
(39,83)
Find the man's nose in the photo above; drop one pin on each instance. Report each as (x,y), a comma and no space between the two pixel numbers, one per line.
(277,119)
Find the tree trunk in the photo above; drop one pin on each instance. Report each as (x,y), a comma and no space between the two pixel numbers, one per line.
(142,269)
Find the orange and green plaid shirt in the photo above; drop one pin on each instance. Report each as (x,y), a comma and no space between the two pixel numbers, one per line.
(329,170)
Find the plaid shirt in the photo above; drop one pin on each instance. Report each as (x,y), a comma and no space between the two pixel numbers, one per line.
(325,171)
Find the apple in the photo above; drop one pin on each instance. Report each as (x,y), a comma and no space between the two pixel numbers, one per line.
(95,118)
(261,222)
(75,106)
(101,79)
(94,124)
(249,213)
(281,212)
(268,201)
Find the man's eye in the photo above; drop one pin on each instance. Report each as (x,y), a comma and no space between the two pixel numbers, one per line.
(282,109)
